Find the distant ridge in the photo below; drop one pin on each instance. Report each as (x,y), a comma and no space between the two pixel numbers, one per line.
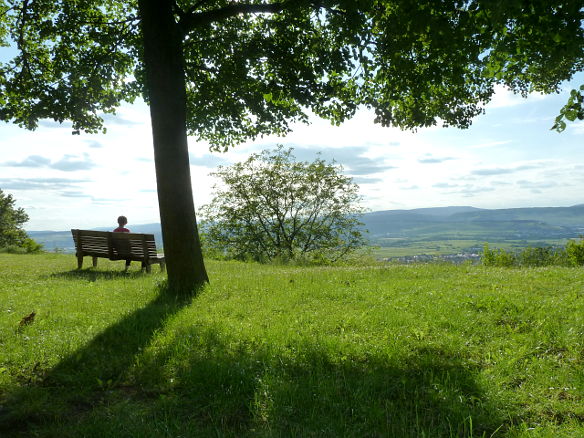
(153,228)
(433,211)
(455,222)
(564,216)
(476,223)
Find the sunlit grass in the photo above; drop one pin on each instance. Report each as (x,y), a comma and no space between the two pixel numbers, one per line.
(270,351)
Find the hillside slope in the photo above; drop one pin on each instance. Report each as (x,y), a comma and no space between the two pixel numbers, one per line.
(472,223)
(440,223)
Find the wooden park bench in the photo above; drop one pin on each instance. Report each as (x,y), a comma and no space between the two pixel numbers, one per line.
(117,246)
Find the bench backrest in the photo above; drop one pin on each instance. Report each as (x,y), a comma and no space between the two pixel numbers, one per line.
(114,245)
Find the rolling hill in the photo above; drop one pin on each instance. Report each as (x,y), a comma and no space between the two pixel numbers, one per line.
(424,224)
(471,223)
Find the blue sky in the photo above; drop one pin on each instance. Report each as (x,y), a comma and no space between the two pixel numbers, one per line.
(507,158)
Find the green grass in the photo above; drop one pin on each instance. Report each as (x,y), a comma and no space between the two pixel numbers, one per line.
(271,351)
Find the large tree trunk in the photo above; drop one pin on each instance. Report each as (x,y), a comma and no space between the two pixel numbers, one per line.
(165,82)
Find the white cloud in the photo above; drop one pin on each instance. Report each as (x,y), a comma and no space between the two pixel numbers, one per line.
(490,144)
(386,162)
(503,98)
(430,159)
(575,127)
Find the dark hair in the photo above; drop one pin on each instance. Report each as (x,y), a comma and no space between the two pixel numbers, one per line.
(122,220)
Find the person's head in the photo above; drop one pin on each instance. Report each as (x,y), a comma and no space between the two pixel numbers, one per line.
(122,221)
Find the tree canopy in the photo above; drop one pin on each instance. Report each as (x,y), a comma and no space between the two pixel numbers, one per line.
(11,221)
(272,206)
(225,71)
(252,67)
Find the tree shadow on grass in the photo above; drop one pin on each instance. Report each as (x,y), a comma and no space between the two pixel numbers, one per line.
(78,383)
(221,386)
(207,382)
(91,274)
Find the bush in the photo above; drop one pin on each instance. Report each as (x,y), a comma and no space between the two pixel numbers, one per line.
(488,256)
(28,246)
(561,257)
(31,246)
(273,208)
(498,257)
(505,259)
(543,256)
(575,252)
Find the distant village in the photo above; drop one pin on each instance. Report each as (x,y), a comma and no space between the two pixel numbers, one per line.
(428,258)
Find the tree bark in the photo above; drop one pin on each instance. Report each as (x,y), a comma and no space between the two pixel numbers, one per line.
(165,85)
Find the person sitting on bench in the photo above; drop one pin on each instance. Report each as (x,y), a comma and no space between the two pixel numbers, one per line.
(122,222)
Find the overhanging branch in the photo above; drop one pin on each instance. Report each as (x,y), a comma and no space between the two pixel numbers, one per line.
(190,19)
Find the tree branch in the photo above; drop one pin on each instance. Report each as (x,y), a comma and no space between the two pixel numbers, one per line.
(109,23)
(190,20)
(7,10)
(21,43)
(194,7)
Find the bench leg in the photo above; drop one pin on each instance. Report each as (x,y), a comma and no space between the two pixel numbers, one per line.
(148,268)
(79,262)
(95,262)
(162,266)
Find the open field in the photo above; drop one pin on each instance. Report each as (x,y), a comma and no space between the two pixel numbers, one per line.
(272,351)
(403,247)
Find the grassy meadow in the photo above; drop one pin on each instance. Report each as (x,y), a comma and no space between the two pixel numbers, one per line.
(279,351)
